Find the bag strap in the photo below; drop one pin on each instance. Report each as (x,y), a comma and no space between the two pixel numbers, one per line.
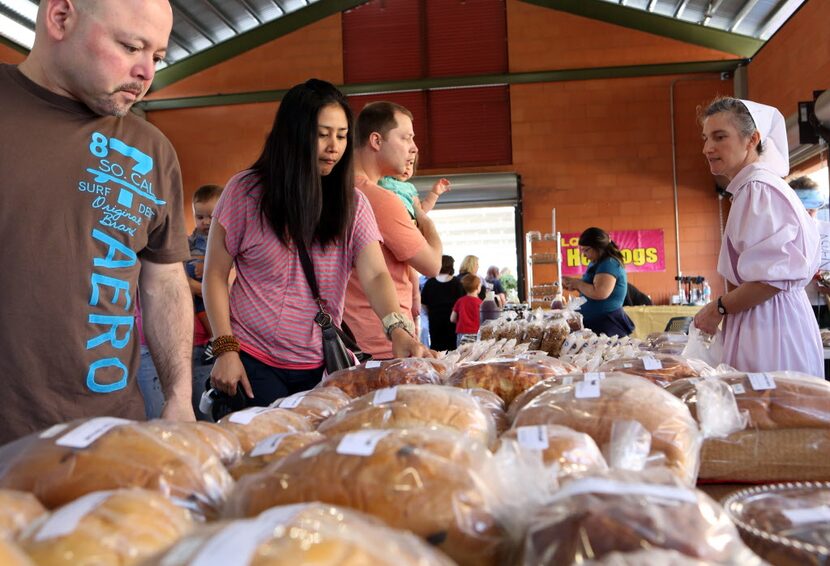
(308,268)
(323,318)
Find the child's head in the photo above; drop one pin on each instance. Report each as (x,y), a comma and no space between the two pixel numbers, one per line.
(409,172)
(204,201)
(471,284)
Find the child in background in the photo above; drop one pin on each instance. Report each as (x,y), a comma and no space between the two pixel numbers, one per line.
(465,312)
(204,201)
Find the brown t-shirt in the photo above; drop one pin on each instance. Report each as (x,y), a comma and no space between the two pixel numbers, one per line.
(83,199)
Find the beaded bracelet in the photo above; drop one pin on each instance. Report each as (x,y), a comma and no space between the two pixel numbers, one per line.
(224,344)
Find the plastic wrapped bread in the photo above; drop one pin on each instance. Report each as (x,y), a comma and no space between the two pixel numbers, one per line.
(647,557)
(360,380)
(223,443)
(493,404)
(108,527)
(787,524)
(531,393)
(672,343)
(12,555)
(429,482)
(272,449)
(592,517)
(254,424)
(609,406)
(312,533)
(68,461)
(17,510)
(507,378)
(772,400)
(415,406)
(561,449)
(315,405)
(661,369)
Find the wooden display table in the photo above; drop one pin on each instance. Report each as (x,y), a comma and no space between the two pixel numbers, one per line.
(654,319)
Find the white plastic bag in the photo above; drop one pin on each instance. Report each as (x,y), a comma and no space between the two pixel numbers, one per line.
(704,347)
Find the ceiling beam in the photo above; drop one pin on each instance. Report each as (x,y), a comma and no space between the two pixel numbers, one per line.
(740,16)
(688,32)
(251,39)
(17,17)
(764,29)
(12,45)
(191,21)
(457,82)
(710,11)
(680,8)
(219,14)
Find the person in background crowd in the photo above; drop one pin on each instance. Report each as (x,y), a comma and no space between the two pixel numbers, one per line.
(603,285)
(299,192)
(67,330)
(813,200)
(204,202)
(465,312)
(634,297)
(438,298)
(770,249)
(385,142)
(423,318)
(492,283)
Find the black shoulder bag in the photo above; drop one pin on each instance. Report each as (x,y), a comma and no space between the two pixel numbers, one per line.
(336,343)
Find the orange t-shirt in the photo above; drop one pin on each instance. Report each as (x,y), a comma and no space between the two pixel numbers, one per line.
(401,242)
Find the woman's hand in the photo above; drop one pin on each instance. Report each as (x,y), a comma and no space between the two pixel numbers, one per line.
(708,319)
(228,372)
(405,346)
(571,283)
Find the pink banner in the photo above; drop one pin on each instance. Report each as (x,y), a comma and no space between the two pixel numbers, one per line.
(642,250)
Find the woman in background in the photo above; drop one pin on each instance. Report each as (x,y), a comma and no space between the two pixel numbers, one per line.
(603,285)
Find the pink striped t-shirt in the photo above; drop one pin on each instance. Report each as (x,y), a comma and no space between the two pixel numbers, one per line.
(272,310)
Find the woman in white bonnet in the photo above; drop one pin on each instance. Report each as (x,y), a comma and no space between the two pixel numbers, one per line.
(770,248)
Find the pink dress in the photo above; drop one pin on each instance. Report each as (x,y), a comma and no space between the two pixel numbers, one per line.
(770,238)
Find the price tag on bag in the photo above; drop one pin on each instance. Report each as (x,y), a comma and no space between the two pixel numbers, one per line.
(64,521)
(292,402)
(90,431)
(588,388)
(738,388)
(568,380)
(761,381)
(372,364)
(386,395)
(361,443)
(533,437)
(246,416)
(268,445)
(651,363)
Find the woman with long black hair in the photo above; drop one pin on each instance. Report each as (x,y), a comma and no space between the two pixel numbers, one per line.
(299,192)
(603,285)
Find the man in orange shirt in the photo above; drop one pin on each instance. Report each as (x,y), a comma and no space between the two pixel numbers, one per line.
(384,143)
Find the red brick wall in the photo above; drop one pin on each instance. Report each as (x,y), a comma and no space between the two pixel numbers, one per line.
(541,39)
(795,61)
(598,151)
(9,55)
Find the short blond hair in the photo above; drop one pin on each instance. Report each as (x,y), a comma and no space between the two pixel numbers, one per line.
(469,265)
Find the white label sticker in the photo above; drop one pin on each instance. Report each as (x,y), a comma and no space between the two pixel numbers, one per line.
(64,521)
(761,381)
(292,402)
(587,388)
(267,445)
(533,437)
(811,515)
(568,380)
(372,364)
(236,543)
(361,443)
(90,431)
(53,430)
(386,395)
(738,388)
(613,487)
(627,366)
(650,363)
(246,416)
